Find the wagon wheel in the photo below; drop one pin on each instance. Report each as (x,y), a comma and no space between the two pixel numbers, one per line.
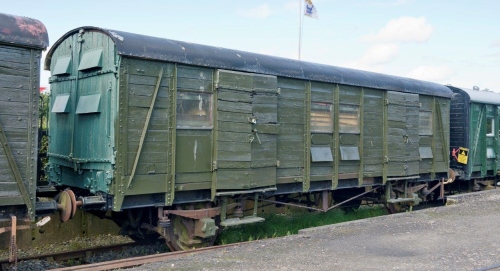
(72,198)
(64,205)
(350,206)
(180,234)
(133,227)
(394,208)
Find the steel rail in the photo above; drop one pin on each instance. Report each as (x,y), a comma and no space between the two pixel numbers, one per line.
(136,261)
(68,255)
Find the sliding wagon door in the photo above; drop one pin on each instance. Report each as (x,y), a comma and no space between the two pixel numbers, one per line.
(402,134)
(246,130)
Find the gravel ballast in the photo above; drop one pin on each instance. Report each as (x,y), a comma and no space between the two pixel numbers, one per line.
(462,236)
(84,243)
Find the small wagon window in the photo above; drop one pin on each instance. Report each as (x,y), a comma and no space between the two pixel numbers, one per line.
(349,119)
(321,117)
(425,123)
(490,127)
(194,110)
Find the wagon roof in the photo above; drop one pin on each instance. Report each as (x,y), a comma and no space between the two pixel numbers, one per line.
(23,31)
(147,47)
(479,96)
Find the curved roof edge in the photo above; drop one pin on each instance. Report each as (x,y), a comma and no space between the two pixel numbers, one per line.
(479,96)
(147,47)
(23,31)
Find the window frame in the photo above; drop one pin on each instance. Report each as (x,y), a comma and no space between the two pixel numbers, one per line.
(490,122)
(318,127)
(180,122)
(429,130)
(345,128)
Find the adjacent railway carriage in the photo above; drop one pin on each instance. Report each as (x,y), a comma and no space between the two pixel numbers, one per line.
(474,122)
(187,132)
(21,42)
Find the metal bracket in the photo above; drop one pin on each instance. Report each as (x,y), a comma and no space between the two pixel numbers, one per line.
(195,214)
(257,136)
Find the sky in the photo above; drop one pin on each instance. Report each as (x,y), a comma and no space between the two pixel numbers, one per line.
(454,42)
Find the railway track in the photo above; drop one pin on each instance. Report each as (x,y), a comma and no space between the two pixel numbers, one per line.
(81,254)
(136,261)
(84,255)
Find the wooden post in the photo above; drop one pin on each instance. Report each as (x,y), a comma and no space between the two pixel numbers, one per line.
(13,243)
(324,200)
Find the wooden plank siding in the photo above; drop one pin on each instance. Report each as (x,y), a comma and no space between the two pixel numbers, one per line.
(291,117)
(153,164)
(349,169)
(403,134)
(193,148)
(322,93)
(246,130)
(479,165)
(19,88)
(373,154)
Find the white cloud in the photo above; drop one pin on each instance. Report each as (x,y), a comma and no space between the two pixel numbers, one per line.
(380,53)
(292,5)
(404,29)
(262,11)
(375,56)
(432,73)
(496,43)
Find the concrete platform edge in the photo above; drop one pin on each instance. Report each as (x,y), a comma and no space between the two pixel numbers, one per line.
(454,199)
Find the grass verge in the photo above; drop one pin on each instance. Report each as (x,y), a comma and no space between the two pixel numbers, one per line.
(277,225)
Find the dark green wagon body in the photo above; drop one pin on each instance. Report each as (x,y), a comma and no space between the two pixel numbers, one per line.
(474,123)
(21,42)
(147,121)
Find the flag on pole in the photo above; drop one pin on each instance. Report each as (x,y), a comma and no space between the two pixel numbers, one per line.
(310,10)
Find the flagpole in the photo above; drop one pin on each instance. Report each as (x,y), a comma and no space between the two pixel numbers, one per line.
(309,11)
(300,25)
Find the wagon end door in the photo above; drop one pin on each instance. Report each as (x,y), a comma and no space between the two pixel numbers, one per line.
(81,126)
(246,130)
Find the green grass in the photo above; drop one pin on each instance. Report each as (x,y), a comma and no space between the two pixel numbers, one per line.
(277,225)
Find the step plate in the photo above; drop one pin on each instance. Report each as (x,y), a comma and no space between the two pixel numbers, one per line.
(400,200)
(241,221)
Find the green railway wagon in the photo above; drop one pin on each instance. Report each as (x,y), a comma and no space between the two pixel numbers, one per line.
(474,122)
(173,137)
(21,43)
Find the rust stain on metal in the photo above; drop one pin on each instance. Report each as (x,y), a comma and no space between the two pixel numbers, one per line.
(35,28)
(6,31)
(23,31)
(195,214)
